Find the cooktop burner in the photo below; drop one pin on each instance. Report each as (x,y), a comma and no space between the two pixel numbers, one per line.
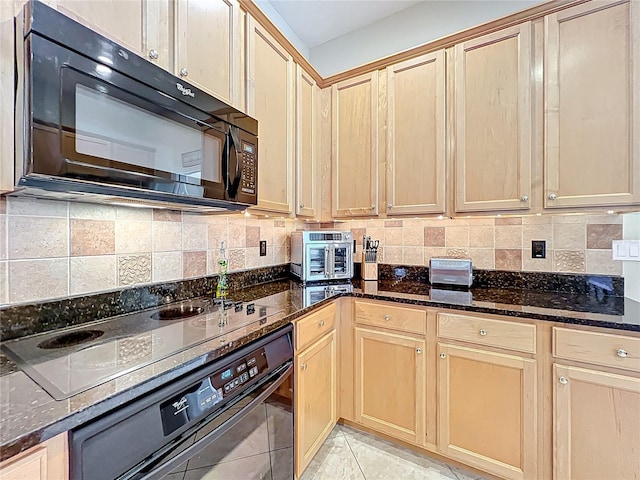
(65,363)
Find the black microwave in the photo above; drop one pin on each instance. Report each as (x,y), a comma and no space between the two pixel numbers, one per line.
(96,122)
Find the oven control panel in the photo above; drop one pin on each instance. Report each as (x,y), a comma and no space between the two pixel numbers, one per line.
(248,169)
(203,397)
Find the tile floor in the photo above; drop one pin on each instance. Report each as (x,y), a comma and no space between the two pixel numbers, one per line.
(352,455)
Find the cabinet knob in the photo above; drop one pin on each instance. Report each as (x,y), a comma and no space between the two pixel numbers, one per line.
(553,196)
(483,332)
(387,317)
(184,72)
(622,353)
(443,355)
(304,366)
(153,54)
(373,207)
(524,198)
(302,205)
(389,207)
(321,323)
(563,380)
(418,350)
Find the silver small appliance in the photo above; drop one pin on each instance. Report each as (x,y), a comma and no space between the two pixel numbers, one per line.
(321,255)
(451,271)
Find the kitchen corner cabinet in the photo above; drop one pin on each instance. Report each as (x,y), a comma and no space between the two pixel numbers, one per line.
(270,99)
(492,121)
(46,461)
(592,105)
(416,135)
(141,26)
(316,383)
(306,145)
(354,166)
(208,46)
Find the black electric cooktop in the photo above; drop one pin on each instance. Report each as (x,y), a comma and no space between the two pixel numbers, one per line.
(70,361)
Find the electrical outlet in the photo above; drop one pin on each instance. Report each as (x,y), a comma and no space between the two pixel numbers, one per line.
(538,249)
(263,248)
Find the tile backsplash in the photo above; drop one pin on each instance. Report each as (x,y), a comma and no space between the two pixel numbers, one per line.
(52,249)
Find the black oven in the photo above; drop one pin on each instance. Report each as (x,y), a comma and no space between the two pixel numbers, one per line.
(93,118)
(231,420)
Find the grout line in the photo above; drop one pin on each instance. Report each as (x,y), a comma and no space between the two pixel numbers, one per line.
(346,438)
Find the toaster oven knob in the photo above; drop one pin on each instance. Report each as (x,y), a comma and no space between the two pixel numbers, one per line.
(184,72)
(153,54)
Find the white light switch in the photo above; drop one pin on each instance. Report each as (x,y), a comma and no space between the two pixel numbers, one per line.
(627,250)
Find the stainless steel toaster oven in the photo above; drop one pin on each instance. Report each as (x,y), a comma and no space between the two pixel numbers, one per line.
(321,255)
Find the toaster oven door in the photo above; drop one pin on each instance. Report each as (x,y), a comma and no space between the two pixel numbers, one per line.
(318,260)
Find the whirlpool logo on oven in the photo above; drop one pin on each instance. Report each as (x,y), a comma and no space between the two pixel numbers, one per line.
(180,405)
(185,91)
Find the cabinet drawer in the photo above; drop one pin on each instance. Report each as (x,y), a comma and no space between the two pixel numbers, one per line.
(618,351)
(405,319)
(483,331)
(315,325)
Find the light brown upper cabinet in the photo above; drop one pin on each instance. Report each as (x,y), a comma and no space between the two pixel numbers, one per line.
(492,126)
(306,111)
(208,46)
(270,99)
(592,105)
(416,135)
(139,25)
(355,146)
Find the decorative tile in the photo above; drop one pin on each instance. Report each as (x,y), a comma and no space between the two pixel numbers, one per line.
(508,236)
(413,236)
(194,264)
(217,233)
(237,234)
(392,254)
(600,262)
(134,269)
(236,259)
(38,279)
(37,237)
(537,232)
(194,236)
(92,274)
(393,223)
(481,236)
(166,216)
(166,266)
(279,223)
(509,259)
(413,256)
(434,236)
(457,252)
(133,237)
(92,237)
(253,236)
(358,233)
(600,236)
(569,261)
(482,258)
(457,236)
(393,236)
(569,236)
(167,236)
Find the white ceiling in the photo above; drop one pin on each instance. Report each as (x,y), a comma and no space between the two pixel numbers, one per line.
(318,21)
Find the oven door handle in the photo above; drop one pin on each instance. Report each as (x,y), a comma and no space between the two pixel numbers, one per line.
(166,467)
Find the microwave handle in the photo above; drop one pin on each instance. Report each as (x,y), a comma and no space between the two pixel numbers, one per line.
(232,152)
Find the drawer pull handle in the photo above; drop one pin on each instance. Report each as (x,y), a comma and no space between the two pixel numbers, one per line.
(418,350)
(304,366)
(387,317)
(443,355)
(622,353)
(563,380)
(483,332)
(321,323)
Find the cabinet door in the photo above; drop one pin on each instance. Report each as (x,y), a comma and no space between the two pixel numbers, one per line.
(592,105)
(355,146)
(306,146)
(47,461)
(493,121)
(416,135)
(596,424)
(270,101)
(390,383)
(208,46)
(487,410)
(315,394)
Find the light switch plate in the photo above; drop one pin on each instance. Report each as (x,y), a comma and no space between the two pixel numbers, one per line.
(627,250)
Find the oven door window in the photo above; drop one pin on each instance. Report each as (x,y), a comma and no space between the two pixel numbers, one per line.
(318,262)
(341,260)
(109,132)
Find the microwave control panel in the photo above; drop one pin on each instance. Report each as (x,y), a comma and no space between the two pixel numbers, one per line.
(248,169)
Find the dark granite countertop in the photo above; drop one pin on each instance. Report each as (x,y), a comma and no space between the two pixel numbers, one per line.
(28,415)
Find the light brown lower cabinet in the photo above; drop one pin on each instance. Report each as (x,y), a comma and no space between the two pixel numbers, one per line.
(46,461)
(487,410)
(315,398)
(390,383)
(596,421)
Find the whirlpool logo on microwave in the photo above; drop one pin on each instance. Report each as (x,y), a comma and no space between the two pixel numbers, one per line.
(185,91)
